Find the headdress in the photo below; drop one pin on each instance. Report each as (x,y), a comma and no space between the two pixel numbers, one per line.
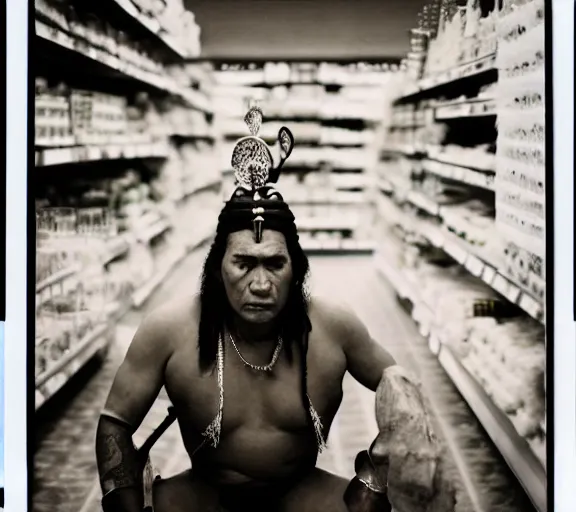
(255,203)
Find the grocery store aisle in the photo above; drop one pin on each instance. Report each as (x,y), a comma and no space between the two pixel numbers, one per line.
(65,471)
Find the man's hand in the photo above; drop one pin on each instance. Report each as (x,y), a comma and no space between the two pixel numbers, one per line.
(406,453)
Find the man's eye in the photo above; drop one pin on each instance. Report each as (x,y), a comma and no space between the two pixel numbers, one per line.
(276,265)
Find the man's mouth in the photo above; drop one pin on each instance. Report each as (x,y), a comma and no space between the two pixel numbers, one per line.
(259,306)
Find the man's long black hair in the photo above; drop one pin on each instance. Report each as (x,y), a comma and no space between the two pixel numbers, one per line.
(216,312)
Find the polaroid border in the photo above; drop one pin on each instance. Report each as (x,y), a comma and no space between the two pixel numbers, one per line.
(16,335)
(560,366)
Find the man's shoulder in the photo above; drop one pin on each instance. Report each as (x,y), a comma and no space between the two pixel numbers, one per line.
(331,314)
(173,319)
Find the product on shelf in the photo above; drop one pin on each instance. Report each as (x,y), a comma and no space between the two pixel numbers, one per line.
(196,215)
(67,116)
(83,32)
(503,351)
(189,167)
(525,269)
(520,174)
(477,157)
(465,36)
(106,239)
(471,221)
(96,115)
(52,116)
(466,207)
(509,361)
(71,296)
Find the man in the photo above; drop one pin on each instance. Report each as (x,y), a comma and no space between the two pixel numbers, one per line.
(254,369)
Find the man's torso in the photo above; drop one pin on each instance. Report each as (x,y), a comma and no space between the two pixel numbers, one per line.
(266,431)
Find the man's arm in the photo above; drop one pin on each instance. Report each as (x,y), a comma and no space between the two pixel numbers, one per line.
(133,392)
(366,358)
(404,465)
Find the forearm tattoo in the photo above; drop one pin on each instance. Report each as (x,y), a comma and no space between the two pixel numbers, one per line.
(117,457)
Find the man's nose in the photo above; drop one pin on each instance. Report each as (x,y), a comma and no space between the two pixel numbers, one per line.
(260,284)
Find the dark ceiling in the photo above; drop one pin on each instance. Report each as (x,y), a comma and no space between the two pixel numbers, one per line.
(279,29)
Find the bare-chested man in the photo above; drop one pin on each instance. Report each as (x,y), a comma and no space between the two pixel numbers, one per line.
(254,369)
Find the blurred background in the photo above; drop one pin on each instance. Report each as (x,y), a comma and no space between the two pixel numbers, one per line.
(417,181)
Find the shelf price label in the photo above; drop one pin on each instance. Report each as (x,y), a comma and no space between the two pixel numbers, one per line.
(488,275)
(91,52)
(474,265)
(462,174)
(531,306)
(113,151)
(80,154)
(435,237)
(130,151)
(455,251)
(513,293)
(434,343)
(501,285)
(57,156)
(54,384)
(94,153)
(421,317)
(39,399)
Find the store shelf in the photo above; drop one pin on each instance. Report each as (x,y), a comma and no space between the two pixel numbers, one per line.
(193,134)
(325,224)
(405,149)
(57,277)
(115,248)
(487,272)
(140,296)
(467,175)
(154,230)
(151,25)
(99,57)
(385,186)
(474,160)
(423,202)
(347,200)
(464,109)
(77,154)
(513,448)
(475,264)
(193,188)
(450,78)
(327,247)
(53,142)
(52,380)
(448,166)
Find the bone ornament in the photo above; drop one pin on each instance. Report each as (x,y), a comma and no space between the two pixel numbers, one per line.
(406,454)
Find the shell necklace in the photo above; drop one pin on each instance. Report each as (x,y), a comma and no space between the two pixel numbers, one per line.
(259,368)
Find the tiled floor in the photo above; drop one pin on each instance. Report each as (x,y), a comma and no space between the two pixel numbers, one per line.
(65,470)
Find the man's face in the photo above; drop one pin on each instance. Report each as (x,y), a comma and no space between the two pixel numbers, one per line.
(257,276)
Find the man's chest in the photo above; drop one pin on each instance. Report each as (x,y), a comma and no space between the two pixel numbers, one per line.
(255,399)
